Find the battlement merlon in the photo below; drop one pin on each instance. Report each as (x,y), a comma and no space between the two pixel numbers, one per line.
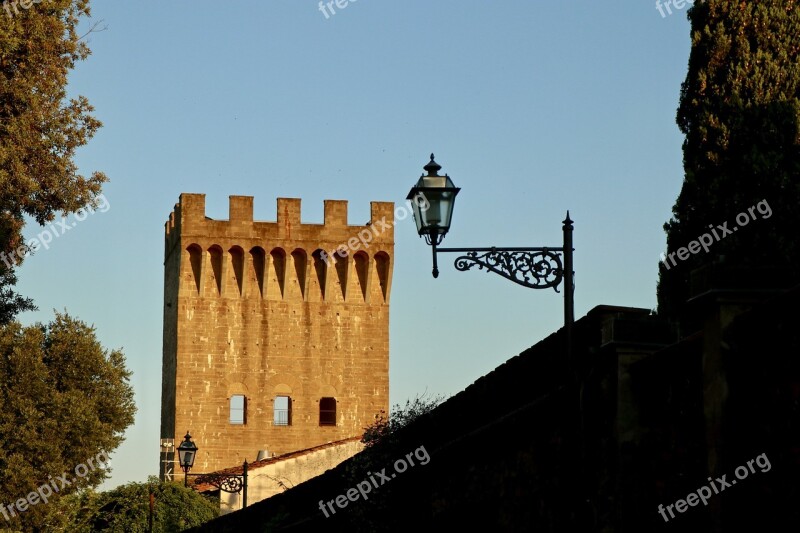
(189,220)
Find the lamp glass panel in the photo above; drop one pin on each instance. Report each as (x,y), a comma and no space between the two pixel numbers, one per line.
(186,456)
(419,208)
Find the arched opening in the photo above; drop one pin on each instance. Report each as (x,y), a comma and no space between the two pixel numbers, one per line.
(327,411)
(215,256)
(196,264)
(300,262)
(258,258)
(320,269)
(382,270)
(361,260)
(277,271)
(341,262)
(237,266)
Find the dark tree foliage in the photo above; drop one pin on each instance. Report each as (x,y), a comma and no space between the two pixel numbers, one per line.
(11,303)
(40,128)
(740,112)
(126,509)
(64,400)
(382,430)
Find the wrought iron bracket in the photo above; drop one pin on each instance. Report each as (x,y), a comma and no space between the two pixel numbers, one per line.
(532,267)
(535,268)
(232,483)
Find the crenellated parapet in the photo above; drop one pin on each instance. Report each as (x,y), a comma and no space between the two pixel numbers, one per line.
(285,259)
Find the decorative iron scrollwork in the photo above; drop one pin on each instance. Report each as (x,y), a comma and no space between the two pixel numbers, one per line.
(229,483)
(540,269)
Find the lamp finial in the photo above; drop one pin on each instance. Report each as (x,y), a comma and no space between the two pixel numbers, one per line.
(432,168)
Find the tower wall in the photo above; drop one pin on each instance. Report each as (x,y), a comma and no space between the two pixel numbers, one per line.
(267,309)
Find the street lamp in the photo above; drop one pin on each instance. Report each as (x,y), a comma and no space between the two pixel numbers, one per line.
(186,454)
(432,201)
(231,483)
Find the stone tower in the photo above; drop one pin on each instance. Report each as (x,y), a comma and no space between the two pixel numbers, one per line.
(276,334)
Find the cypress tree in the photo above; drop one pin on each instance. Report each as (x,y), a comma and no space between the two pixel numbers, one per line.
(740,114)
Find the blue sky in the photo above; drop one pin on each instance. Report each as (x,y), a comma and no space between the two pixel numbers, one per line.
(531,107)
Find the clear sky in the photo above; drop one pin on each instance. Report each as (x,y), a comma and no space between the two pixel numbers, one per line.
(531,107)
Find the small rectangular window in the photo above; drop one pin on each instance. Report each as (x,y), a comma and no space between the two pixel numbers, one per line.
(238,403)
(327,412)
(282,411)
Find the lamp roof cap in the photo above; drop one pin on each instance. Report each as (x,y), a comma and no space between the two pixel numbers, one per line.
(432,168)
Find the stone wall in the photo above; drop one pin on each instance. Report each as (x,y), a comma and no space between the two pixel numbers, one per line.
(266,309)
(269,477)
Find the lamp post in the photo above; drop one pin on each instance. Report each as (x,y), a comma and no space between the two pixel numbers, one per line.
(231,483)
(432,201)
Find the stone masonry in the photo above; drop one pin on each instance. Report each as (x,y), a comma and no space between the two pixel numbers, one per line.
(254,311)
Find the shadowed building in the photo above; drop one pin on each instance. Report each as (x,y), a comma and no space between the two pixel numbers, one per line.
(658,414)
